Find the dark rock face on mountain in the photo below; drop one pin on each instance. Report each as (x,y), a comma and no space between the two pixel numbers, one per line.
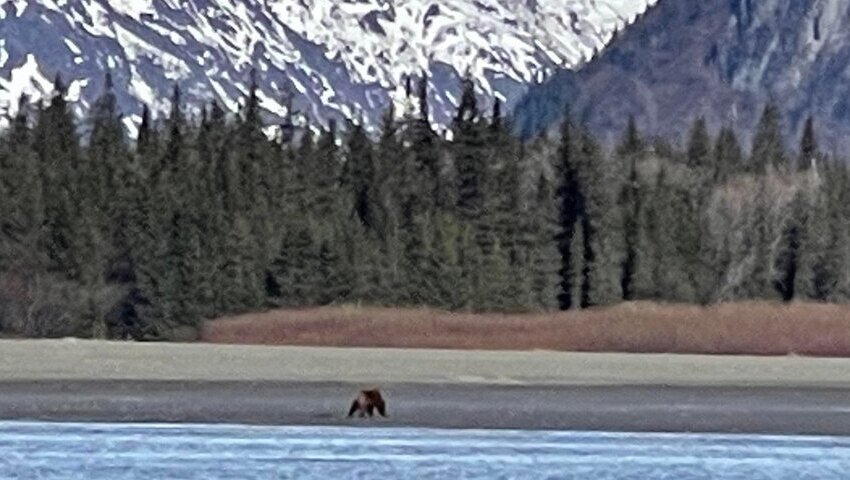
(721,59)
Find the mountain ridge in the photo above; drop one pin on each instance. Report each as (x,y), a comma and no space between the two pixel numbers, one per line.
(339,59)
(723,60)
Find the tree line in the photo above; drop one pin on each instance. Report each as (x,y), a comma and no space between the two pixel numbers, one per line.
(198,217)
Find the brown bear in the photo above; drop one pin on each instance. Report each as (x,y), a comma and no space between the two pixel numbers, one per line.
(367,402)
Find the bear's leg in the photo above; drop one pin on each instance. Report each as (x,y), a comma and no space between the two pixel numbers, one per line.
(370,410)
(354,407)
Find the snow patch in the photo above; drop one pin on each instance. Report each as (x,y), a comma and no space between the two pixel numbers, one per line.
(131,125)
(223,96)
(141,90)
(100,22)
(4,55)
(26,79)
(20,7)
(75,89)
(72,47)
(133,8)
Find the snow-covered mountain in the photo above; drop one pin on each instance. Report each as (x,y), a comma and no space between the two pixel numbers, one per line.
(338,57)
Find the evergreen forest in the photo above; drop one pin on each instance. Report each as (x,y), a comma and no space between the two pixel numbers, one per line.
(205,215)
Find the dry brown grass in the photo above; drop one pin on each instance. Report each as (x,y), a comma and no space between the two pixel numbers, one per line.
(734,328)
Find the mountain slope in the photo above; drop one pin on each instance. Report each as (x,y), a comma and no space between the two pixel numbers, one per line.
(723,59)
(339,58)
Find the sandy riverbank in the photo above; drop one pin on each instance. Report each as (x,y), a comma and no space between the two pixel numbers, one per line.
(93,360)
(608,408)
(97,381)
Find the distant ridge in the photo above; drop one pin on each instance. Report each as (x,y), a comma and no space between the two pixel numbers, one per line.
(720,59)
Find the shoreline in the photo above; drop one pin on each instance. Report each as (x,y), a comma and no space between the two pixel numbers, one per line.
(772,411)
(197,383)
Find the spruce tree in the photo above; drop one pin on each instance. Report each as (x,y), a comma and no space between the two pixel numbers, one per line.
(419,272)
(588,260)
(840,222)
(129,221)
(107,150)
(447,272)
(699,145)
(788,257)
(390,175)
(296,267)
(728,156)
(103,176)
(691,242)
(185,250)
(324,170)
(243,289)
(631,204)
(145,233)
(600,271)
(758,283)
(544,255)
(368,283)
(387,149)
(57,146)
(257,186)
(571,208)
(506,204)
(385,177)
(22,200)
(496,286)
(631,143)
(359,179)
(808,146)
(114,179)
(425,149)
(662,250)
(768,147)
(468,146)
(301,189)
(334,269)
(824,266)
(474,178)
(147,143)
(817,276)
(178,188)
(173,160)
(211,144)
(471,263)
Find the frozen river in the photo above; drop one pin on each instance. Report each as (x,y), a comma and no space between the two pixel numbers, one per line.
(209,452)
